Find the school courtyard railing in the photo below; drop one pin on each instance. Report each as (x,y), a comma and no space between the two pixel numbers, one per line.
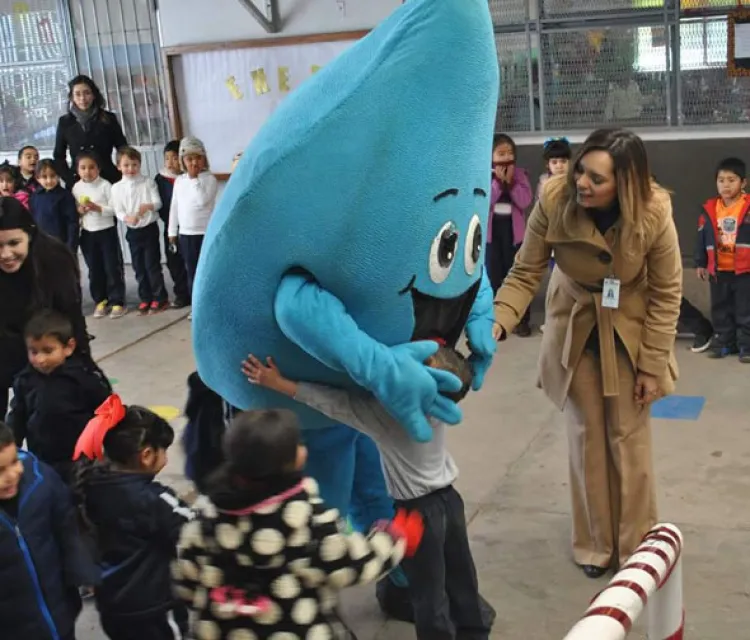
(651,579)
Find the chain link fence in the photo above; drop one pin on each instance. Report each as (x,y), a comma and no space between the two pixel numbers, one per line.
(590,63)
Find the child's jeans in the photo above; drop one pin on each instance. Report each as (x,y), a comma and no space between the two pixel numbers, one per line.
(442,577)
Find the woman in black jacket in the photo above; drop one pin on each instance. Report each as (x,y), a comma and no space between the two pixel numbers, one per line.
(36,272)
(87,127)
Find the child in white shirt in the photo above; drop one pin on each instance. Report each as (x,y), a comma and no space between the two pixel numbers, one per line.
(100,243)
(136,202)
(193,203)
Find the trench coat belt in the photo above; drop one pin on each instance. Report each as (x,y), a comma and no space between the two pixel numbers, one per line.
(584,299)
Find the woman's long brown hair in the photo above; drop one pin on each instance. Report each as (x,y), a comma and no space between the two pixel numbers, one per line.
(635,186)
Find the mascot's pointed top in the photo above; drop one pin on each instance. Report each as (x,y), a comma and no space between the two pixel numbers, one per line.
(373,178)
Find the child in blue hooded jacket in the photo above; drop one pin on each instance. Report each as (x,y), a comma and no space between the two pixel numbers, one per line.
(43,561)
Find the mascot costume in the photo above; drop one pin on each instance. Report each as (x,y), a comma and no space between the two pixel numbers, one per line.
(350,238)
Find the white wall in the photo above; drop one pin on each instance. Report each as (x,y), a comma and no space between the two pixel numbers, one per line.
(203,21)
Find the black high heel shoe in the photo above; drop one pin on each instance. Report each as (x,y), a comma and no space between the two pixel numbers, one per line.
(592,571)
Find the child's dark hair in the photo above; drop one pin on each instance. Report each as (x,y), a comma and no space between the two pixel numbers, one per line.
(173,146)
(7,437)
(140,428)
(735,165)
(46,165)
(260,447)
(454,362)
(7,169)
(49,322)
(557,148)
(26,148)
(128,152)
(504,138)
(88,155)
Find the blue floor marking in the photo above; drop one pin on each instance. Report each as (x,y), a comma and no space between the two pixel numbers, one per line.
(678,408)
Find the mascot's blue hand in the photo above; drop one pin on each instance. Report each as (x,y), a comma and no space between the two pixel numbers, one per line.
(409,390)
(479,332)
(445,409)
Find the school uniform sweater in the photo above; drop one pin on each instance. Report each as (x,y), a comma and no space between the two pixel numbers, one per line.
(411,469)
(56,214)
(193,203)
(165,184)
(129,194)
(99,192)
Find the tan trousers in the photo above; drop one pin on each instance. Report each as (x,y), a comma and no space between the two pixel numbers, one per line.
(611,470)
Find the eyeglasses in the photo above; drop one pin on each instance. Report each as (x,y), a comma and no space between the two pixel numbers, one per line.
(550,141)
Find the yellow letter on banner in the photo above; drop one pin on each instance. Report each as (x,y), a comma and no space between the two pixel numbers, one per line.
(260,81)
(234,90)
(284,80)
(315,68)
(20,7)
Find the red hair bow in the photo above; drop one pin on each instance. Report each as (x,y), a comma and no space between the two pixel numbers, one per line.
(107,416)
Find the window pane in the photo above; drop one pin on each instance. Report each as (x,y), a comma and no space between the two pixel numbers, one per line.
(591,80)
(34,70)
(508,11)
(709,96)
(554,8)
(513,109)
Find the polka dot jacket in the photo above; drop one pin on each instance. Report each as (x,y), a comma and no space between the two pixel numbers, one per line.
(272,570)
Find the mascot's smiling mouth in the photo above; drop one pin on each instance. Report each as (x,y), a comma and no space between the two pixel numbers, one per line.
(442,318)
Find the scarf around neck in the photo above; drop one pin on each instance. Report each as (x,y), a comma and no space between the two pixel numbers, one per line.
(85,118)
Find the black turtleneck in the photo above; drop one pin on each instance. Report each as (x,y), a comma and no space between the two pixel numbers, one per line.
(605,219)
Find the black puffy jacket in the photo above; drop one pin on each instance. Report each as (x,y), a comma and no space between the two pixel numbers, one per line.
(42,559)
(137,523)
(50,411)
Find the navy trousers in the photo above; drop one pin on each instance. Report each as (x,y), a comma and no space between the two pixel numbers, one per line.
(103,255)
(146,254)
(190,248)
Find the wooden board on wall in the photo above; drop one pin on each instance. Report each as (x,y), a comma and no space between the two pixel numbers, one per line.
(223,93)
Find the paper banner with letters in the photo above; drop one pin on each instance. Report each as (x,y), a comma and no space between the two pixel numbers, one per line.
(225,96)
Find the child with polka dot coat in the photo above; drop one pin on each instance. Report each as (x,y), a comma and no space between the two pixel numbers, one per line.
(265,557)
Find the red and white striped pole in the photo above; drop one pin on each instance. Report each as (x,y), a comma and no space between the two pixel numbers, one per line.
(652,576)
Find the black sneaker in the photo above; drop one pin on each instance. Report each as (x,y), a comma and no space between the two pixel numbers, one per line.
(179,303)
(717,353)
(701,343)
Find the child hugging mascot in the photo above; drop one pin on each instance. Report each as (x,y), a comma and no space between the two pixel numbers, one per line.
(350,238)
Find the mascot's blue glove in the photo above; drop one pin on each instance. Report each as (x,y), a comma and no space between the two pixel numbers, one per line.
(318,323)
(479,332)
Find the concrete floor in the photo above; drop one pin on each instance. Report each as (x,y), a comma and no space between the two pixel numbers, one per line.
(512,454)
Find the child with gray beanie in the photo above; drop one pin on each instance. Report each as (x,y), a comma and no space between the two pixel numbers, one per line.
(193,203)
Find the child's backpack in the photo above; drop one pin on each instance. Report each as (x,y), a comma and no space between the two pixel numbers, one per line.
(205,411)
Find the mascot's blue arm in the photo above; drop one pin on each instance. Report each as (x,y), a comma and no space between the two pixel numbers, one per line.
(318,323)
(479,331)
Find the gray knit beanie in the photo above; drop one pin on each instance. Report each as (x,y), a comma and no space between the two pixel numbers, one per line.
(191,145)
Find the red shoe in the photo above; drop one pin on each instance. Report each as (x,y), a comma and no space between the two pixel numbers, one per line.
(158,307)
(143,308)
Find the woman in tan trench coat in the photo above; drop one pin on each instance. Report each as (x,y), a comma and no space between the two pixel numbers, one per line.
(611,316)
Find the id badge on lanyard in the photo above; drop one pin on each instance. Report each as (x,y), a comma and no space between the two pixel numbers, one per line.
(611,293)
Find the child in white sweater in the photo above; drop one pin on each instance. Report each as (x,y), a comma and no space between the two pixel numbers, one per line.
(100,243)
(136,202)
(193,203)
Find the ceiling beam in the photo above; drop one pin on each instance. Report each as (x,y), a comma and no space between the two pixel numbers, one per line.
(268,19)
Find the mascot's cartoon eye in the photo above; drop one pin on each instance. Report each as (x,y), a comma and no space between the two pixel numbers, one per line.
(443,252)
(473,249)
